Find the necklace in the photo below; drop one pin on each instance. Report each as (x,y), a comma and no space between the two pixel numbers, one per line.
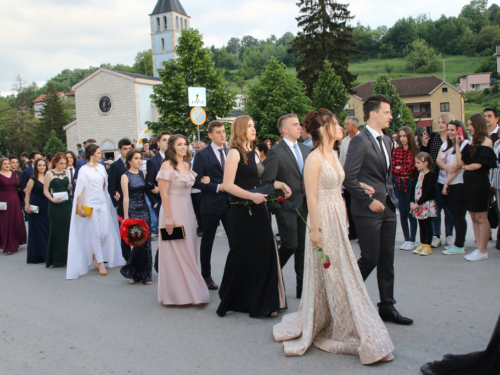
(59,175)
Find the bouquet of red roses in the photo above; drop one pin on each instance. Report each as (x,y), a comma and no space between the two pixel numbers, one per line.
(134,231)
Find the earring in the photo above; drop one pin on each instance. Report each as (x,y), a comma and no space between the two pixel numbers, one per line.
(91,160)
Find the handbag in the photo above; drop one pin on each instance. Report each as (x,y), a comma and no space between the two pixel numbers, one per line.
(88,210)
(35,209)
(3,206)
(493,212)
(61,195)
(177,234)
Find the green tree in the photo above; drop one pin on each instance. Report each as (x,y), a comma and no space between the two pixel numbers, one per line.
(54,144)
(276,93)
(489,37)
(400,36)
(192,68)
(144,63)
(422,58)
(240,82)
(330,92)
(325,35)
(53,116)
(401,115)
(476,14)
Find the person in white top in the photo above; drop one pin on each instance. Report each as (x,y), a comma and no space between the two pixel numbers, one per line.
(452,180)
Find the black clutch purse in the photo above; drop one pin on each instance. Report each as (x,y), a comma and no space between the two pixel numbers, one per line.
(177,234)
(264,189)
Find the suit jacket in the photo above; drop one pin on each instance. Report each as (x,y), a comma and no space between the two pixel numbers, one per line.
(153,165)
(365,163)
(115,172)
(27,173)
(207,164)
(281,165)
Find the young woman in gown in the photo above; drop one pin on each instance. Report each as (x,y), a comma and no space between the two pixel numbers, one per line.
(139,267)
(39,223)
(12,228)
(57,181)
(179,279)
(335,313)
(252,281)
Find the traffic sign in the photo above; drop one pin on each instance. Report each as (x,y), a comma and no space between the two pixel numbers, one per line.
(198,116)
(197,96)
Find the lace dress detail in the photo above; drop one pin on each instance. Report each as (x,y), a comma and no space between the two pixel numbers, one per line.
(336,313)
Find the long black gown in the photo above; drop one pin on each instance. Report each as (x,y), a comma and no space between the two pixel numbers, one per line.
(478,363)
(139,266)
(252,276)
(39,225)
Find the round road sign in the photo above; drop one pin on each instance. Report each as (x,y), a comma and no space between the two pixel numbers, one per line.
(198,116)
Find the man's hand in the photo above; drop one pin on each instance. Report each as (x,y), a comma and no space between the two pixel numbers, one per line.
(156,190)
(117,196)
(376,206)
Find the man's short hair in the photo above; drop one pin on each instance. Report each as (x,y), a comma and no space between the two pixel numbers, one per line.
(353,119)
(284,117)
(91,140)
(13,157)
(494,110)
(25,155)
(124,142)
(78,145)
(162,133)
(373,103)
(33,153)
(145,140)
(214,124)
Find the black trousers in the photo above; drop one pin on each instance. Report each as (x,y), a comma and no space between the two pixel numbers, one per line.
(292,231)
(455,200)
(352,224)
(210,224)
(196,199)
(425,226)
(377,237)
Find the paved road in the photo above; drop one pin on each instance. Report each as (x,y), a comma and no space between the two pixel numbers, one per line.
(103,325)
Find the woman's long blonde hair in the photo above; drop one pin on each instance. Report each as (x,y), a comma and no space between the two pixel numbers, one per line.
(239,140)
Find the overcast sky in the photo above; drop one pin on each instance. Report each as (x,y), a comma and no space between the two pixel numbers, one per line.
(39,38)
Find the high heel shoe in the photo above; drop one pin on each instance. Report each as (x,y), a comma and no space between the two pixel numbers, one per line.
(103,272)
(96,265)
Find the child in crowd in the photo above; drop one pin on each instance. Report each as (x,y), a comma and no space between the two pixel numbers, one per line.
(423,204)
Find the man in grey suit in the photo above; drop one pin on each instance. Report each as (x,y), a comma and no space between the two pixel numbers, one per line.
(285,162)
(368,179)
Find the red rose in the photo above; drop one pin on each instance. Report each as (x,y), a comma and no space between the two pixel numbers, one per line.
(281,199)
(326,264)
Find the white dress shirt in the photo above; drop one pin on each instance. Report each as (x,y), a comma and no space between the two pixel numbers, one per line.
(375,134)
(291,144)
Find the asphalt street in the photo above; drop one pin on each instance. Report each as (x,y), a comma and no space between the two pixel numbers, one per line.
(103,325)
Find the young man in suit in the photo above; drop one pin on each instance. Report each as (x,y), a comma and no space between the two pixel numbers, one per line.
(368,178)
(115,172)
(28,172)
(153,165)
(285,162)
(214,205)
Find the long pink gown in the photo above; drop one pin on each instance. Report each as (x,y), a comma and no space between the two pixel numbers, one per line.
(179,278)
(12,228)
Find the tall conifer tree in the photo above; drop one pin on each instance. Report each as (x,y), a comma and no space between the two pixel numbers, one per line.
(325,35)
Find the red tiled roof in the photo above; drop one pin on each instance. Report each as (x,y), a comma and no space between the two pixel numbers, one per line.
(413,86)
(41,98)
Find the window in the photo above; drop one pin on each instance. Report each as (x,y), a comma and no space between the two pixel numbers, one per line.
(445,107)
(444,90)
(157,24)
(186,24)
(410,107)
(351,112)
(177,22)
(424,108)
(182,24)
(165,22)
(162,44)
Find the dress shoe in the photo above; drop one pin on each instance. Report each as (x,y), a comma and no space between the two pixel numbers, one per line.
(211,284)
(395,317)
(299,293)
(199,232)
(353,237)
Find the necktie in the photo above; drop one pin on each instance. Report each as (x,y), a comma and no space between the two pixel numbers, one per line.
(222,161)
(379,139)
(299,158)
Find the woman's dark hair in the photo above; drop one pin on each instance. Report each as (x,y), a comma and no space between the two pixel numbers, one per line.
(425,157)
(74,158)
(170,153)
(410,138)
(57,157)
(263,147)
(35,168)
(480,132)
(90,150)
(130,156)
(314,120)
(449,142)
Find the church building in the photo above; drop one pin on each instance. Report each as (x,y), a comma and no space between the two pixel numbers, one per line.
(111,105)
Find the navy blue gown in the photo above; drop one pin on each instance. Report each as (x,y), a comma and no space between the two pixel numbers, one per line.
(139,266)
(39,225)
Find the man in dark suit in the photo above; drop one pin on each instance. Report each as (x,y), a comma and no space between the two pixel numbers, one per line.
(153,165)
(368,179)
(285,162)
(214,205)
(28,172)
(115,172)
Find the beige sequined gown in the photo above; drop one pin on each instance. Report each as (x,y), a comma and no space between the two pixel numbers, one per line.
(336,313)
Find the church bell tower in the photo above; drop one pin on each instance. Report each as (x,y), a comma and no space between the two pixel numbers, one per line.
(167,20)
